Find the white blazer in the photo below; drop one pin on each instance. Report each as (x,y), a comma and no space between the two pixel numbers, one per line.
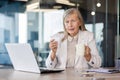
(85,37)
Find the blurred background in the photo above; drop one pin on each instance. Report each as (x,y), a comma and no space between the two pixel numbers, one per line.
(35,21)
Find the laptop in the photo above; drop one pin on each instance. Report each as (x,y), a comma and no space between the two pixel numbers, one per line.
(23,58)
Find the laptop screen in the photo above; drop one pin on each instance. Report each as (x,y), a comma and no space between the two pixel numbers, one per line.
(22,57)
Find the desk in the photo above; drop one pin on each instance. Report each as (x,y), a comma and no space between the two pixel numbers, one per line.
(68,74)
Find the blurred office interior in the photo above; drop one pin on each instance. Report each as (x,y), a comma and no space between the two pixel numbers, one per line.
(35,21)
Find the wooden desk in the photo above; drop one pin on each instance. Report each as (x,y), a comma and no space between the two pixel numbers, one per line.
(68,74)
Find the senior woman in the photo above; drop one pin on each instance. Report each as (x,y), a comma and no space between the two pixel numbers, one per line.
(63,52)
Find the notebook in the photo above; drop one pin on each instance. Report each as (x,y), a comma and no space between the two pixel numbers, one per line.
(23,58)
(104,70)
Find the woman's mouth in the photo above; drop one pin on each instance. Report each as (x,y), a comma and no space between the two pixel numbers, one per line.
(71,29)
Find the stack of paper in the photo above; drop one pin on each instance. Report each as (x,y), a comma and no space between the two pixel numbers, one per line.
(103,70)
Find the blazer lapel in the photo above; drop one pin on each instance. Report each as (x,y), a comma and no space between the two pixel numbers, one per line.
(64,51)
(80,39)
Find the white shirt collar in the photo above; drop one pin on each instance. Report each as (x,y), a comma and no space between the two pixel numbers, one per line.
(71,38)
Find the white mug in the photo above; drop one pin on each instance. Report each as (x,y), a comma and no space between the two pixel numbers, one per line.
(80,49)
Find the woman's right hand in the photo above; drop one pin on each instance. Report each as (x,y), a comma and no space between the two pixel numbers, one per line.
(53,46)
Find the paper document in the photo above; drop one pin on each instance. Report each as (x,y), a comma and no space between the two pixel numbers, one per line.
(104,70)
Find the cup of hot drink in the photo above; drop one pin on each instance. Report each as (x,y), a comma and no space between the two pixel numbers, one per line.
(80,49)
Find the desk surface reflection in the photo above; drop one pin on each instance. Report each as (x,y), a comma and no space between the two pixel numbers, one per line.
(68,74)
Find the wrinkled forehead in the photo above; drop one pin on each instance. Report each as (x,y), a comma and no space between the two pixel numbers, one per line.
(71,17)
(69,13)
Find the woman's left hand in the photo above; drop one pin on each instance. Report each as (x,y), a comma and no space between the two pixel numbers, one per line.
(87,54)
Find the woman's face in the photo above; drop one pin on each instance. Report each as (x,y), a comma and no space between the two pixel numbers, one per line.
(72,24)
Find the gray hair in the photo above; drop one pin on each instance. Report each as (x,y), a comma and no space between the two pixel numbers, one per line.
(73,11)
(76,11)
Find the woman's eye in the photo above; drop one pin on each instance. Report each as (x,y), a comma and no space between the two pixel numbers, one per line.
(66,21)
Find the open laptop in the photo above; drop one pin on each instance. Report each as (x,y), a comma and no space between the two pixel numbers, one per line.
(23,59)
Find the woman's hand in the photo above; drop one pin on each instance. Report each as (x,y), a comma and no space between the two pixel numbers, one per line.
(87,54)
(53,46)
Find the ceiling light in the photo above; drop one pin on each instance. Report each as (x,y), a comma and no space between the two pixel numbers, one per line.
(98,4)
(93,13)
(32,6)
(66,2)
